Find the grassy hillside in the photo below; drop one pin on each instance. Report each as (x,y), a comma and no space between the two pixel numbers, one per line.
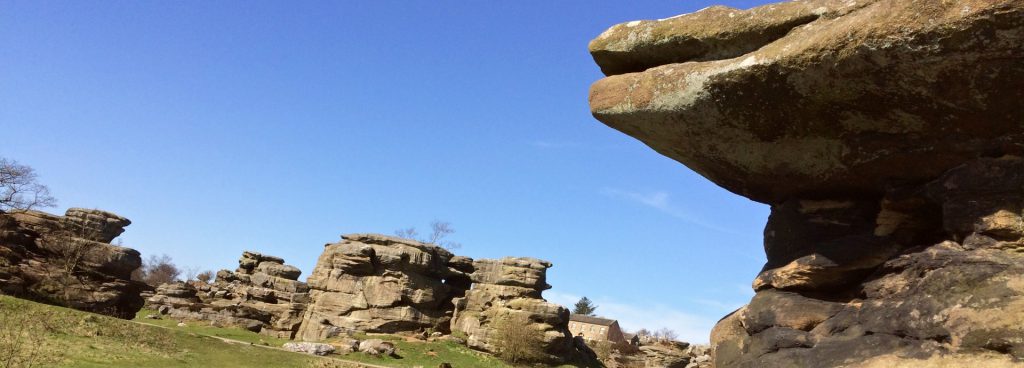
(38,335)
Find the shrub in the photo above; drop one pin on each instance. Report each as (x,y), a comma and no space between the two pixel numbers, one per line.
(517,341)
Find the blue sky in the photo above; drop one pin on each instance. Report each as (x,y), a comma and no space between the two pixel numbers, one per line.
(218,127)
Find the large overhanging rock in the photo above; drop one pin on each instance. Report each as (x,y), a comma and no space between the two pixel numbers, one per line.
(377,283)
(819,98)
(68,260)
(887,137)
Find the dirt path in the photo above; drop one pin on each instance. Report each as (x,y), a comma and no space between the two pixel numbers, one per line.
(240,342)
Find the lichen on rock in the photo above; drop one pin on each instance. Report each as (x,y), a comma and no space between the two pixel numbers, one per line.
(887,138)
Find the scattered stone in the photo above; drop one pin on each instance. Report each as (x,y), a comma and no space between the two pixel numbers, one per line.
(309,348)
(377,347)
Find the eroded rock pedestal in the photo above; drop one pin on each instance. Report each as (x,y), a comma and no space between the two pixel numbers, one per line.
(68,260)
(262,295)
(512,287)
(886,136)
(377,283)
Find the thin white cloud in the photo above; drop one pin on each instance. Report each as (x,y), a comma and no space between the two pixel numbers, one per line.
(659,200)
(690,327)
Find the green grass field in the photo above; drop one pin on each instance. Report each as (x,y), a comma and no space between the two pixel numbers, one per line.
(39,335)
(428,354)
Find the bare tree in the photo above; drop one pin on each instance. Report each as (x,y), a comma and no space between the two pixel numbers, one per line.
(157,270)
(190,273)
(23,340)
(409,233)
(665,334)
(19,190)
(72,244)
(517,341)
(439,231)
(205,276)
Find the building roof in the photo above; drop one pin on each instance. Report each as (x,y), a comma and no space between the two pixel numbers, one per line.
(591,320)
(628,336)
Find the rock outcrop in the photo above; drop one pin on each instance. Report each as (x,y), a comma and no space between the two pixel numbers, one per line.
(818,98)
(506,288)
(885,135)
(377,283)
(68,260)
(262,295)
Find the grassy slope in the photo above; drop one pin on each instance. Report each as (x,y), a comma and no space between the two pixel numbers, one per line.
(67,338)
(63,337)
(412,353)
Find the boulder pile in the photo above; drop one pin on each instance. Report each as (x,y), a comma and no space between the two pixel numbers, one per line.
(68,260)
(887,138)
(262,295)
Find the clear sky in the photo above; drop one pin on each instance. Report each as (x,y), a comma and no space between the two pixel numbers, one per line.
(218,127)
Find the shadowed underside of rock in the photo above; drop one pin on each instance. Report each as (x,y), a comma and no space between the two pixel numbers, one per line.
(887,137)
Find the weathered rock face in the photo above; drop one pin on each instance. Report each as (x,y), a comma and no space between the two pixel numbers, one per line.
(886,136)
(819,98)
(262,295)
(67,260)
(512,287)
(672,355)
(377,283)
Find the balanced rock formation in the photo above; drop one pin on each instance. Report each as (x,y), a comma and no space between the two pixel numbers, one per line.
(512,287)
(68,260)
(262,295)
(885,135)
(378,283)
(818,98)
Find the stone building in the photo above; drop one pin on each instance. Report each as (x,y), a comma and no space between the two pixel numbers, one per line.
(596,329)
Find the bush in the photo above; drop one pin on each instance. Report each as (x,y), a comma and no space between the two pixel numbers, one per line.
(157,270)
(21,343)
(517,341)
(72,245)
(205,276)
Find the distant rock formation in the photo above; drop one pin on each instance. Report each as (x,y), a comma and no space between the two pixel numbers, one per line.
(506,287)
(68,260)
(662,354)
(262,295)
(885,135)
(377,283)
